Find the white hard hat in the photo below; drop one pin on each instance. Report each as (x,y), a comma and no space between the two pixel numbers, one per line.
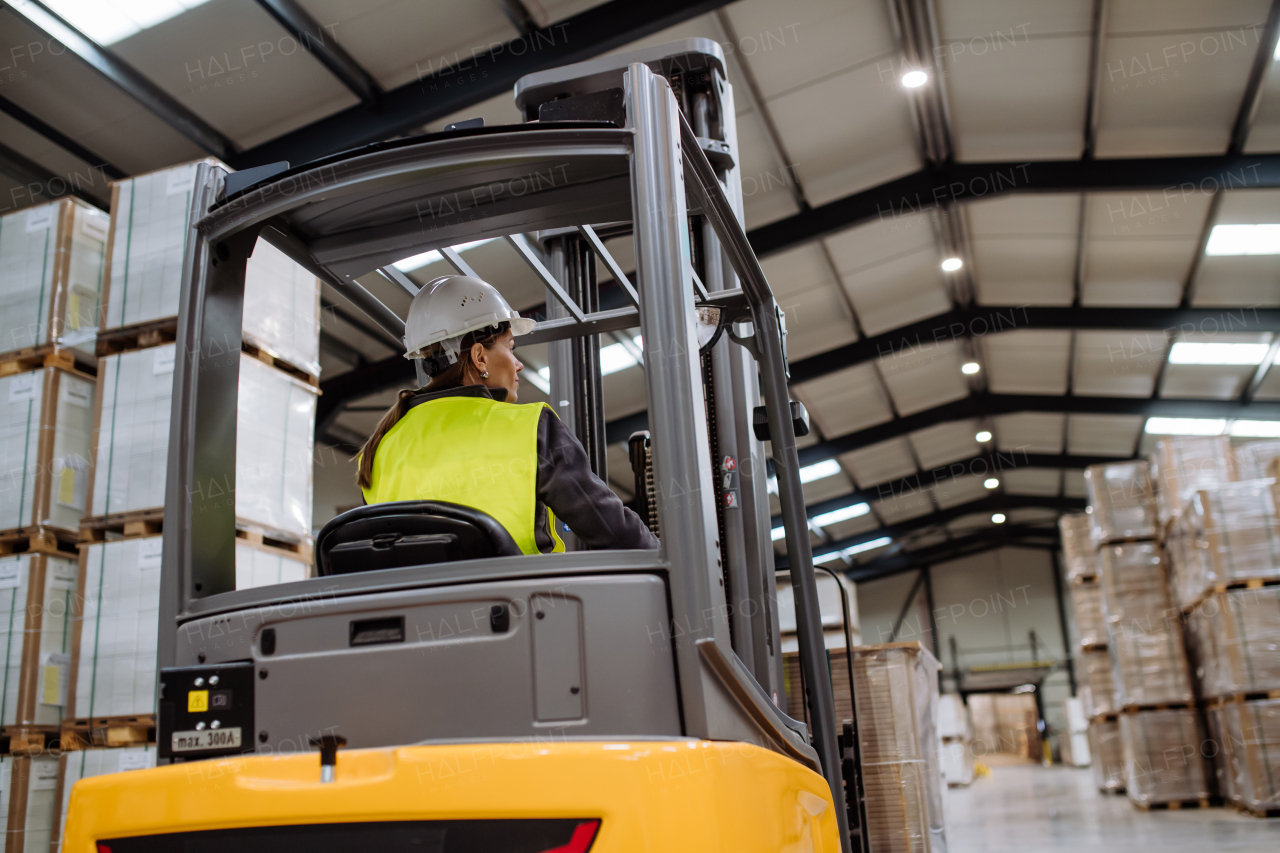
(448,307)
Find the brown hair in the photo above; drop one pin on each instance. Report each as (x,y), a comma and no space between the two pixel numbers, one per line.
(453,376)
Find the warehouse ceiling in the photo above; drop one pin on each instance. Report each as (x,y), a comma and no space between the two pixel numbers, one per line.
(1094,165)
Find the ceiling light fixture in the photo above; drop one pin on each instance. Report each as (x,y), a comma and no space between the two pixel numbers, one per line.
(914,79)
(998,518)
(418,261)
(990,483)
(1256,429)
(970,367)
(952,264)
(1195,352)
(1261,239)
(983,436)
(1185,426)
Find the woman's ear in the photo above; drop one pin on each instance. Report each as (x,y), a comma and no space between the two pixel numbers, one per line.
(477,358)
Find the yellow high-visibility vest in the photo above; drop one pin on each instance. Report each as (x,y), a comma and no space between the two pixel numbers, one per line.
(472,451)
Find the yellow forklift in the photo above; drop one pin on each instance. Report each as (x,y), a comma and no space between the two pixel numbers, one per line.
(463,697)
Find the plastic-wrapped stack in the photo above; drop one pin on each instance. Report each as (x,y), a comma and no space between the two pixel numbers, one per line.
(1164,757)
(51,260)
(1236,534)
(897,694)
(1122,501)
(28,795)
(1078,548)
(1248,734)
(1106,754)
(1097,689)
(37,594)
(1087,600)
(955,736)
(74,766)
(274,440)
(1183,466)
(45,420)
(1074,742)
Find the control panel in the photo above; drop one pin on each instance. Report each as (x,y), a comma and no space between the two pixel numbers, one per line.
(206,711)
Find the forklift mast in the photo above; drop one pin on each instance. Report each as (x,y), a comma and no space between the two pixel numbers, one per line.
(679,642)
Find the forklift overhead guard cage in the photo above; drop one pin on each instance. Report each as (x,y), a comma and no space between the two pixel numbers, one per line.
(346,216)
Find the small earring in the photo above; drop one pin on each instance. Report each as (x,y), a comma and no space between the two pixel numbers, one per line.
(484,375)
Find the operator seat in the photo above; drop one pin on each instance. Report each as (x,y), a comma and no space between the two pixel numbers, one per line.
(400,534)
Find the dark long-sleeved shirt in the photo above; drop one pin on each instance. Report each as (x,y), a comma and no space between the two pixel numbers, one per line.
(567,485)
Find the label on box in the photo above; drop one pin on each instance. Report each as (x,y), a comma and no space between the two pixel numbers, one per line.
(44,776)
(76,392)
(94,225)
(10,574)
(130,760)
(40,218)
(149,552)
(55,673)
(164,359)
(22,388)
(180,180)
(61,576)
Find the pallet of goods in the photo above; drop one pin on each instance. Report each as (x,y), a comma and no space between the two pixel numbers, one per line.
(45,422)
(955,736)
(151,218)
(897,696)
(1183,466)
(1122,502)
(1164,758)
(1247,732)
(28,796)
(51,263)
(83,764)
(1106,754)
(1079,551)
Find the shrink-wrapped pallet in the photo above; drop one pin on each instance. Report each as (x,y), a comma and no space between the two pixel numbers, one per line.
(51,259)
(37,596)
(1248,735)
(1106,755)
(1190,568)
(1086,597)
(1254,458)
(953,718)
(956,763)
(1098,692)
(28,796)
(1074,739)
(1164,756)
(150,226)
(275,434)
(897,690)
(1144,626)
(1078,548)
(1235,637)
(1185,465)
(116,629)
(86,763)
(1241,534)
(45,420)
(1122,501)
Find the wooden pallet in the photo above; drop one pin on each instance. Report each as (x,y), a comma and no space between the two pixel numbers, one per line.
(1081,580)
(298,550)
(1251,811)
(1119,792)
(1093,647)
(124,525)
(94,732)
(1176,805)
(280,364)
(1233,586)
(1105,718)
(1240,698)
(1128,540)
(29,740)
(33,358)
(137,336)
(1159,706)
(40,540)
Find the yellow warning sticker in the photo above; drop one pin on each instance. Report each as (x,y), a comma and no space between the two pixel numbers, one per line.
(67,486)
(197,700)
(51,693)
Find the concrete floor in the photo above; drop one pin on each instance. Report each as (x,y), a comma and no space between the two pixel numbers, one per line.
(1030,809)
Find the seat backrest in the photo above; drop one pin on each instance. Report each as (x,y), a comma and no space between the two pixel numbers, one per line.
(400,534)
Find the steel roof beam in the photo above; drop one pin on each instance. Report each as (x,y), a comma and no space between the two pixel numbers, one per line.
(461,81)
(58,138)
(37,180)
(128,79)
(1164,178)
(333,56)
(1006,535)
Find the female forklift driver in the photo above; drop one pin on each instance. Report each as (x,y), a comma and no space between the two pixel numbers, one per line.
(463,439)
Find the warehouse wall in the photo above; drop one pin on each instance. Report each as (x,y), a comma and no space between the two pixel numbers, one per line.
(988,602)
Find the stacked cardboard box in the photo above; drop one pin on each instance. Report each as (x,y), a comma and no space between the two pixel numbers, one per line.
(1078,548)
(1165,756)
(28,790)
(45,419)
(955,736)
(1247,732)
(51,259)
(37,593)
(897,696)
(1106,754)
(1122,501)
(1184,466)
(83,764)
